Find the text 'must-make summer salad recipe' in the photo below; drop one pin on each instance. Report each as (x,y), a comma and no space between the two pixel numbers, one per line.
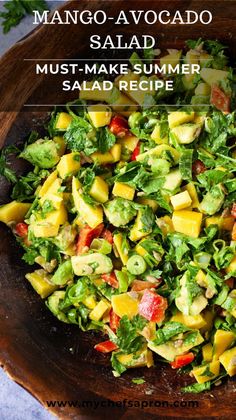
(129,211)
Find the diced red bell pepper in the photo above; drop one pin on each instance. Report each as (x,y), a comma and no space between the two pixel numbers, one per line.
(106,347)
(233,210)
(114,321)
(135,153)
(119,126)
(106,234)
(111,279)
(86,235)
(182,360)
(219,99)
(139,285)
(21,229)
(152,306)
(198,167)
(234,232)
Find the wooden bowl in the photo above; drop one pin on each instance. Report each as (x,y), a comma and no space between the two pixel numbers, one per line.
(54,361)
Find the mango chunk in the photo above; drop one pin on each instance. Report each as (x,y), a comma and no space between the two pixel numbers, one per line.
(207,352)
(13,212)
(139,359)
(44,230)
(213,76)
(191,321)
(157,137)
(47,183)
(123,190)
(100,310)
(122,250)
(129,141)
(190,187)
(213,367)
(228,360)
(116,152)
(222,341)
(69,165)
(100,115)
(187,222)
(232,266)
(171,59)
(148,202)
(124,304)
(59,140)
(63,121)
(92,215)
(181,200)
(224,223)
(102,158)
(180,117)
(99,190)
(40,281)
(137,232)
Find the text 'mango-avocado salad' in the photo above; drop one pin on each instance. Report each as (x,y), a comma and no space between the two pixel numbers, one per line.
(130,213)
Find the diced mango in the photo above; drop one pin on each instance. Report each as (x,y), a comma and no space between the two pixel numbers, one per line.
(69,165)
(207,352)
(116,152)
(123,190)
(40,281)
(181,200)
(213,76)
(99,190)
(203,89)
(171,59)
(232,266)
(102,158)
(158,152)
(198,372)
(13,212)
(208,318)
(224,223)
(191,321)
(124,304)
(222,341)
(180,117)
(148,202)
(100,310)
(123,104)
(129,141)
(133,360)
(57,217)
(228,360)
(165,224)
(94,93)
(92,215)
(59,140)
(52,190)
(90,302)
(190,187)
(137,232)
(44,230)
(122,251)
(47,183)
(100,115)
(63,121)
(156,135)
(187,222)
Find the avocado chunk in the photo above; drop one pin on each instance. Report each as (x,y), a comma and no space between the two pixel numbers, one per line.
(212,201)
(63,274)
(183,301)
(53,304)
(88,264)
(186,133)
(119,211)
(42,153)
(172,180)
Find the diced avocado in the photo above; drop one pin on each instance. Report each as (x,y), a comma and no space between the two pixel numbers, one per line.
(88,264)
(53,304)
(212,201)
(95,93)
(61,144)
(157,135)
(172,180)
(159,152)
(169,350)
(119,211)
(63,274)
(186,133)
(65,237)
(213,76)
(180,117)
(13,212)
(42,153)
(99,190)
(182,300)
(228,360)
(222,341)
(160,166)
(230,303)
(40,280)
(139,230)
(203,89)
